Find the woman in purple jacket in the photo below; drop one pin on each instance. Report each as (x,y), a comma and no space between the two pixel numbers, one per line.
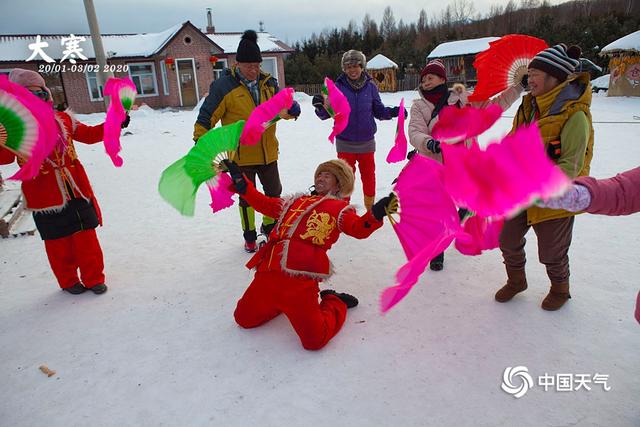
(357,144)
(615,196)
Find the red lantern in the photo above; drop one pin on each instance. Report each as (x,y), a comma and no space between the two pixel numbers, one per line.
(169,60)
(213,59)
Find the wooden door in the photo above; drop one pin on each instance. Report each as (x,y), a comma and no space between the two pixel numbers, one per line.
(187,81)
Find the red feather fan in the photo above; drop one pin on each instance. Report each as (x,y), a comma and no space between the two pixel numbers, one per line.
(504,64)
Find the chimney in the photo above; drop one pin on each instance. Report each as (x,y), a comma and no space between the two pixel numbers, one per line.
(210,28)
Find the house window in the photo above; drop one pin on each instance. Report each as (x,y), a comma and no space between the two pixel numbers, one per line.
(165,80)
(95,91)
(144,77)
(269,65)
(218,67)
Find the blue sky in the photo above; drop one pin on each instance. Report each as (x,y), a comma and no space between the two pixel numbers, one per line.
(287,19)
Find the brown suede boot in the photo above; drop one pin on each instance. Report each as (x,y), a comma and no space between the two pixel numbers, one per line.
(557,296)
(368,202)
(516,283)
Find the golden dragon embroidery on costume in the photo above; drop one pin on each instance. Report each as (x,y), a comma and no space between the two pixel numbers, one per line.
(319,227)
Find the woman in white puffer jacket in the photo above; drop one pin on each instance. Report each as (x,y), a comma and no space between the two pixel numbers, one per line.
(434,95)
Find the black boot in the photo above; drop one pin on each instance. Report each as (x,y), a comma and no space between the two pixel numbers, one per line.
(75,289)
(266,229)
(437,263)
(349,300)
(99,289)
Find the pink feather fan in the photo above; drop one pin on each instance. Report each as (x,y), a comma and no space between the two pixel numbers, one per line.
(122,93)
(264,115)
(399,150)
(339,108)
(27,127)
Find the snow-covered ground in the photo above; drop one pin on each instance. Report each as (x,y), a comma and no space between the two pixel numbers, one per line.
(161,347)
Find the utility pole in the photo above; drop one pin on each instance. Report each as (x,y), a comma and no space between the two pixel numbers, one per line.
(96,40)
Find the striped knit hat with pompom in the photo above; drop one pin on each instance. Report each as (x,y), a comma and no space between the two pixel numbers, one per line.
(557,61)
(435,67)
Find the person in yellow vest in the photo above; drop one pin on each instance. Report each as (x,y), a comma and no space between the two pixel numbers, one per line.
(559,102)
(233,97)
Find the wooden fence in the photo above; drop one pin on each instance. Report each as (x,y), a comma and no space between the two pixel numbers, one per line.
(410,82)
(309,89)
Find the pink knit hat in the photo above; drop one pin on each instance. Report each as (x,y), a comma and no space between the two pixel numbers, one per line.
(26,78)
(434,67)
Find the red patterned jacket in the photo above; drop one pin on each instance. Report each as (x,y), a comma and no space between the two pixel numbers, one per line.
(61,176)
(307,227)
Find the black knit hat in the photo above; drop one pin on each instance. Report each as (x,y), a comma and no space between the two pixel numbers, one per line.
(557,61)
(248,50)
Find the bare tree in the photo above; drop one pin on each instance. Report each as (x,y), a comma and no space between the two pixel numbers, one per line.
(422,21)
(529,4)
(388,25)
(462,11)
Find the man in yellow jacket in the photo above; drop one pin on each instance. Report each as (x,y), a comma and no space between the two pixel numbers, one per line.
(559,101)
(233,97)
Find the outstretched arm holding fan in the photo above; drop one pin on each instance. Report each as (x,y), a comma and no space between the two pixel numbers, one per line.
(54,183)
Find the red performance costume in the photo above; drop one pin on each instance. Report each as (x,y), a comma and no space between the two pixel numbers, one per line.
(64,207)
(61,183)
(293,262)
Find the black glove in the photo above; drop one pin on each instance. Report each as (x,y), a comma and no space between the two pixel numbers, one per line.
(317,101)
(433,145)
(239,183)
(525,81)
(395,111)
(126,121)
(384,206)
(294,111)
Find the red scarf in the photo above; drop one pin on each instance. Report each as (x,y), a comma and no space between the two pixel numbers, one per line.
(434,95)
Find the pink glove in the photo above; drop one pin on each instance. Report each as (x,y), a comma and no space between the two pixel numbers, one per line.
(576,199)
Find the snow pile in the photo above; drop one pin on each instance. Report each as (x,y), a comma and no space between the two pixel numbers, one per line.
(601,82)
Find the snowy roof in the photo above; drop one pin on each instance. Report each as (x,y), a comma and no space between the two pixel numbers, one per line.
(16,48)
(630,42)
(266,42)
(461,47)
(379,62)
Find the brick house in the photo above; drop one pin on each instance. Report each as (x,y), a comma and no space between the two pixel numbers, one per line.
(172,68)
